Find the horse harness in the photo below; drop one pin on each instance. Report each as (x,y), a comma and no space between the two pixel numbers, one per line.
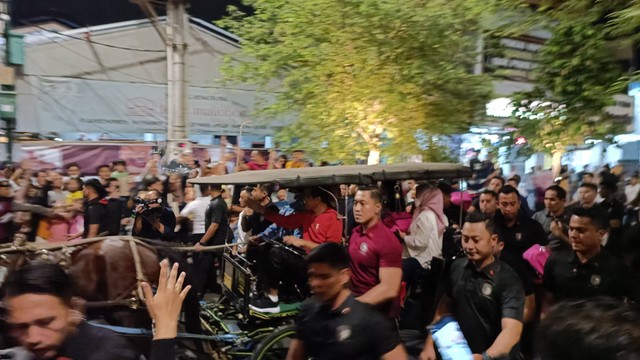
(60,254)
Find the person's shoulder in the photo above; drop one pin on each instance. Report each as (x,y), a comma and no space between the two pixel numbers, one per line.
(459,264)
(539,215)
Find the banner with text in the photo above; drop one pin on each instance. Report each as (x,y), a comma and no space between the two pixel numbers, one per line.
(76,105)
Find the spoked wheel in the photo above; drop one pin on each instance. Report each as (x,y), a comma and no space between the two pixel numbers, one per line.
(276,345)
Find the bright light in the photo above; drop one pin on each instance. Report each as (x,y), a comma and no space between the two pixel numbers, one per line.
(520,140)
(500,107)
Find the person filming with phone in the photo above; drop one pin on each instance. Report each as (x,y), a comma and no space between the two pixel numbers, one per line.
(153,220)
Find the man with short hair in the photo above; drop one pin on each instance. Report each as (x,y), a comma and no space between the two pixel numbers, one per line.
(47,321)
(376,254)
(484,295)
(333,324)
(115,206)
(95,211)
(588,193)
(256,222)
(495,184)
(587,270)
(555,217)
(454,214)
(519,233)
(217,231)
(488,203)
(590,329)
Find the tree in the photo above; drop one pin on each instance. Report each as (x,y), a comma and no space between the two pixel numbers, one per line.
(574,75)
(363,75)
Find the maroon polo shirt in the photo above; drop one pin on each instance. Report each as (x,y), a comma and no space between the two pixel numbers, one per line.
(370,250)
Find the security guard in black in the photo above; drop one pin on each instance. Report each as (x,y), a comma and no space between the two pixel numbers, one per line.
(353,331)
(481,298)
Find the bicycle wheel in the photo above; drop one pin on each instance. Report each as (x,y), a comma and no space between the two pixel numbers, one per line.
(275,346)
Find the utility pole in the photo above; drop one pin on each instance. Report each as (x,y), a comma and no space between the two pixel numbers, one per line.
(177,136)
(175,42)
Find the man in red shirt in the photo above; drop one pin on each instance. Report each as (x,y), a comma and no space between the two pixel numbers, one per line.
(376,255)
(320,224)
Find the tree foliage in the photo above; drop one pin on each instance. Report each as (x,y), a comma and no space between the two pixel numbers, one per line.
(364,75)
(576,70)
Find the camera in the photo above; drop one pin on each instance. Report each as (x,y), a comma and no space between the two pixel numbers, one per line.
(145,203)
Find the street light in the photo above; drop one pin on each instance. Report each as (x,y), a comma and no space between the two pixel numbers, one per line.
(239,139)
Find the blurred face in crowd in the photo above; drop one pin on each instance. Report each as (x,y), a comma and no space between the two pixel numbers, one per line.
(584,235)
(633,181)
(40,322)
(56,180)
(9,171)
(158,185)
(120,167)
(366,209)
(282,161)
(244,196)
(513,183)
(104,173)
(477,243)
(587,196)
(509,205)
(112,187)
(297,155)
(73,185)
(282,194)
(495,184)
(488,204)
(344,190)
(587,178)
(552,202)
(326,282)
(5,190)
(259,194)
(73,171)
(41,178)
(189,194)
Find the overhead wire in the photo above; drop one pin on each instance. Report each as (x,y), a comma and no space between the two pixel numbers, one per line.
(97,42)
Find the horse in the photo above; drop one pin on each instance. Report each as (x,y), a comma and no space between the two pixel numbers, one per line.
(107,273)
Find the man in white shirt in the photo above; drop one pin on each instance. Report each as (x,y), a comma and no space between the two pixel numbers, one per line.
(632,189)
(195,211)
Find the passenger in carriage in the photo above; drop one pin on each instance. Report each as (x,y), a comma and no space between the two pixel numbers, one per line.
(376,255)
(320,224)
(48,322)
(424,240)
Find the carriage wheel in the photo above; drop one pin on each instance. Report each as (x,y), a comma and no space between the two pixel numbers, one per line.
(275,346)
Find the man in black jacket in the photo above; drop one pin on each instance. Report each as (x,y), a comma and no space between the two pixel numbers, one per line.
(45,320)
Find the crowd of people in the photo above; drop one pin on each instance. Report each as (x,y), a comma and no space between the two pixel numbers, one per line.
(510,282)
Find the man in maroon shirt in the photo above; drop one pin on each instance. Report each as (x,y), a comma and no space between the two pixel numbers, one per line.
(320,224)
(376,255)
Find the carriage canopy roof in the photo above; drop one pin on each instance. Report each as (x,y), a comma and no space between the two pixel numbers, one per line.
(334,175)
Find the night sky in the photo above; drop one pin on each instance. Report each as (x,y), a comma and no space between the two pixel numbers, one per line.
(81,13)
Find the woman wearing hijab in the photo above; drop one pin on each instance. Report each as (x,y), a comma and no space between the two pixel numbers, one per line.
(424,239)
